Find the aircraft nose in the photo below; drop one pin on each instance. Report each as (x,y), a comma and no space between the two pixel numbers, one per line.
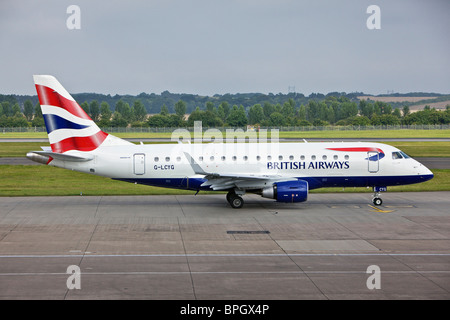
(424,172)
(427,171)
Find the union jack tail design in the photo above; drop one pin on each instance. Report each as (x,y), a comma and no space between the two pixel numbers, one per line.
(68,126)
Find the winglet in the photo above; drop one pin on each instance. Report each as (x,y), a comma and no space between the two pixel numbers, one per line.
(195,166)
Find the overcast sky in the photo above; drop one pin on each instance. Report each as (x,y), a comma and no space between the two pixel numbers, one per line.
(226,46)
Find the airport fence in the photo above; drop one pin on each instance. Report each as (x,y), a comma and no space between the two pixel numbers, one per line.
(248,128)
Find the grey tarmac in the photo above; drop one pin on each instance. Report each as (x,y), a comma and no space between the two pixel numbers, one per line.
(197,247)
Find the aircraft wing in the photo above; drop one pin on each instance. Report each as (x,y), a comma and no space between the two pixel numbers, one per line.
(226,181)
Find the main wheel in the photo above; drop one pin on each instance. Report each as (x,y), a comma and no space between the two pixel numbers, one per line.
(236,202)
(229,195)
(377,201)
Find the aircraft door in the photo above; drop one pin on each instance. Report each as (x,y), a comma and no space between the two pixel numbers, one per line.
(373,163)
(139,163)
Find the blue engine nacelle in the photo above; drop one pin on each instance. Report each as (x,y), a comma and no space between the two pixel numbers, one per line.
(287,191)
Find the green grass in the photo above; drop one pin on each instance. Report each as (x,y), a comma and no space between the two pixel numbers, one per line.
(379,134)
(328,134)
(50,181)
(19,149)
(423,148)
(440,182)
(23,135)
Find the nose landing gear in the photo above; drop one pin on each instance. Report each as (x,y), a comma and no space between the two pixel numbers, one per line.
(377,195)
(377,200)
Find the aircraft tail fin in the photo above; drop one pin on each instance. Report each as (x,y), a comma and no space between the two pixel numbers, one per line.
(68,126)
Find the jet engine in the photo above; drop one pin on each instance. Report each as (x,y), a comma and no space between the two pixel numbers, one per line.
(287,191)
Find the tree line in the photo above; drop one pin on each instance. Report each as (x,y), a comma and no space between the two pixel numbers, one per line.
(329,110)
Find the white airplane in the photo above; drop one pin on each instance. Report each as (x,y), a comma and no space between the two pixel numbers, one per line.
(281,171)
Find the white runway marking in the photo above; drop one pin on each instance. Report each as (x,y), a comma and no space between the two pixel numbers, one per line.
(224,255)
(215,272)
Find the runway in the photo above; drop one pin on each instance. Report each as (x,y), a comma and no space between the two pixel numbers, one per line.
(197,247)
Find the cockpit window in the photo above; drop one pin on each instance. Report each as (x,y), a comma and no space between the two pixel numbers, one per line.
(396,155)
(405,155)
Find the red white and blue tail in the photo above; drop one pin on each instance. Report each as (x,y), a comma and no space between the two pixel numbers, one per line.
(68,126)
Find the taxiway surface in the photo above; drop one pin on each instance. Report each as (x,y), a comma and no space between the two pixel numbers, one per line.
(197,247)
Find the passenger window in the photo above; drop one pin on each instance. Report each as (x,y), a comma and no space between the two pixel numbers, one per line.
(167,159)
(211,158)
(269,158)
(223,158)
(156,159)
(234,158)
(200,158)
(335,157)
(178,159)
(291,157)
(396,155)
(280,157)
(302,157)
(313,157)
(346,157)
(245,158)
(258,158)
(324,157)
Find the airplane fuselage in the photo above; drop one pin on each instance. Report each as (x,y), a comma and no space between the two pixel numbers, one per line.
(346,164)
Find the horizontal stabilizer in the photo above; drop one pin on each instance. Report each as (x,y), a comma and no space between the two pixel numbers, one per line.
(64,157)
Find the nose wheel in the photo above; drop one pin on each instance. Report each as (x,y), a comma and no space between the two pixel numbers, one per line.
(376,200)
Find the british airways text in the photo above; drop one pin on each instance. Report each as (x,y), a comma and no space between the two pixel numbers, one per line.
(295,165)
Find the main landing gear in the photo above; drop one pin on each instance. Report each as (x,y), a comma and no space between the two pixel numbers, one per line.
(235,201)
